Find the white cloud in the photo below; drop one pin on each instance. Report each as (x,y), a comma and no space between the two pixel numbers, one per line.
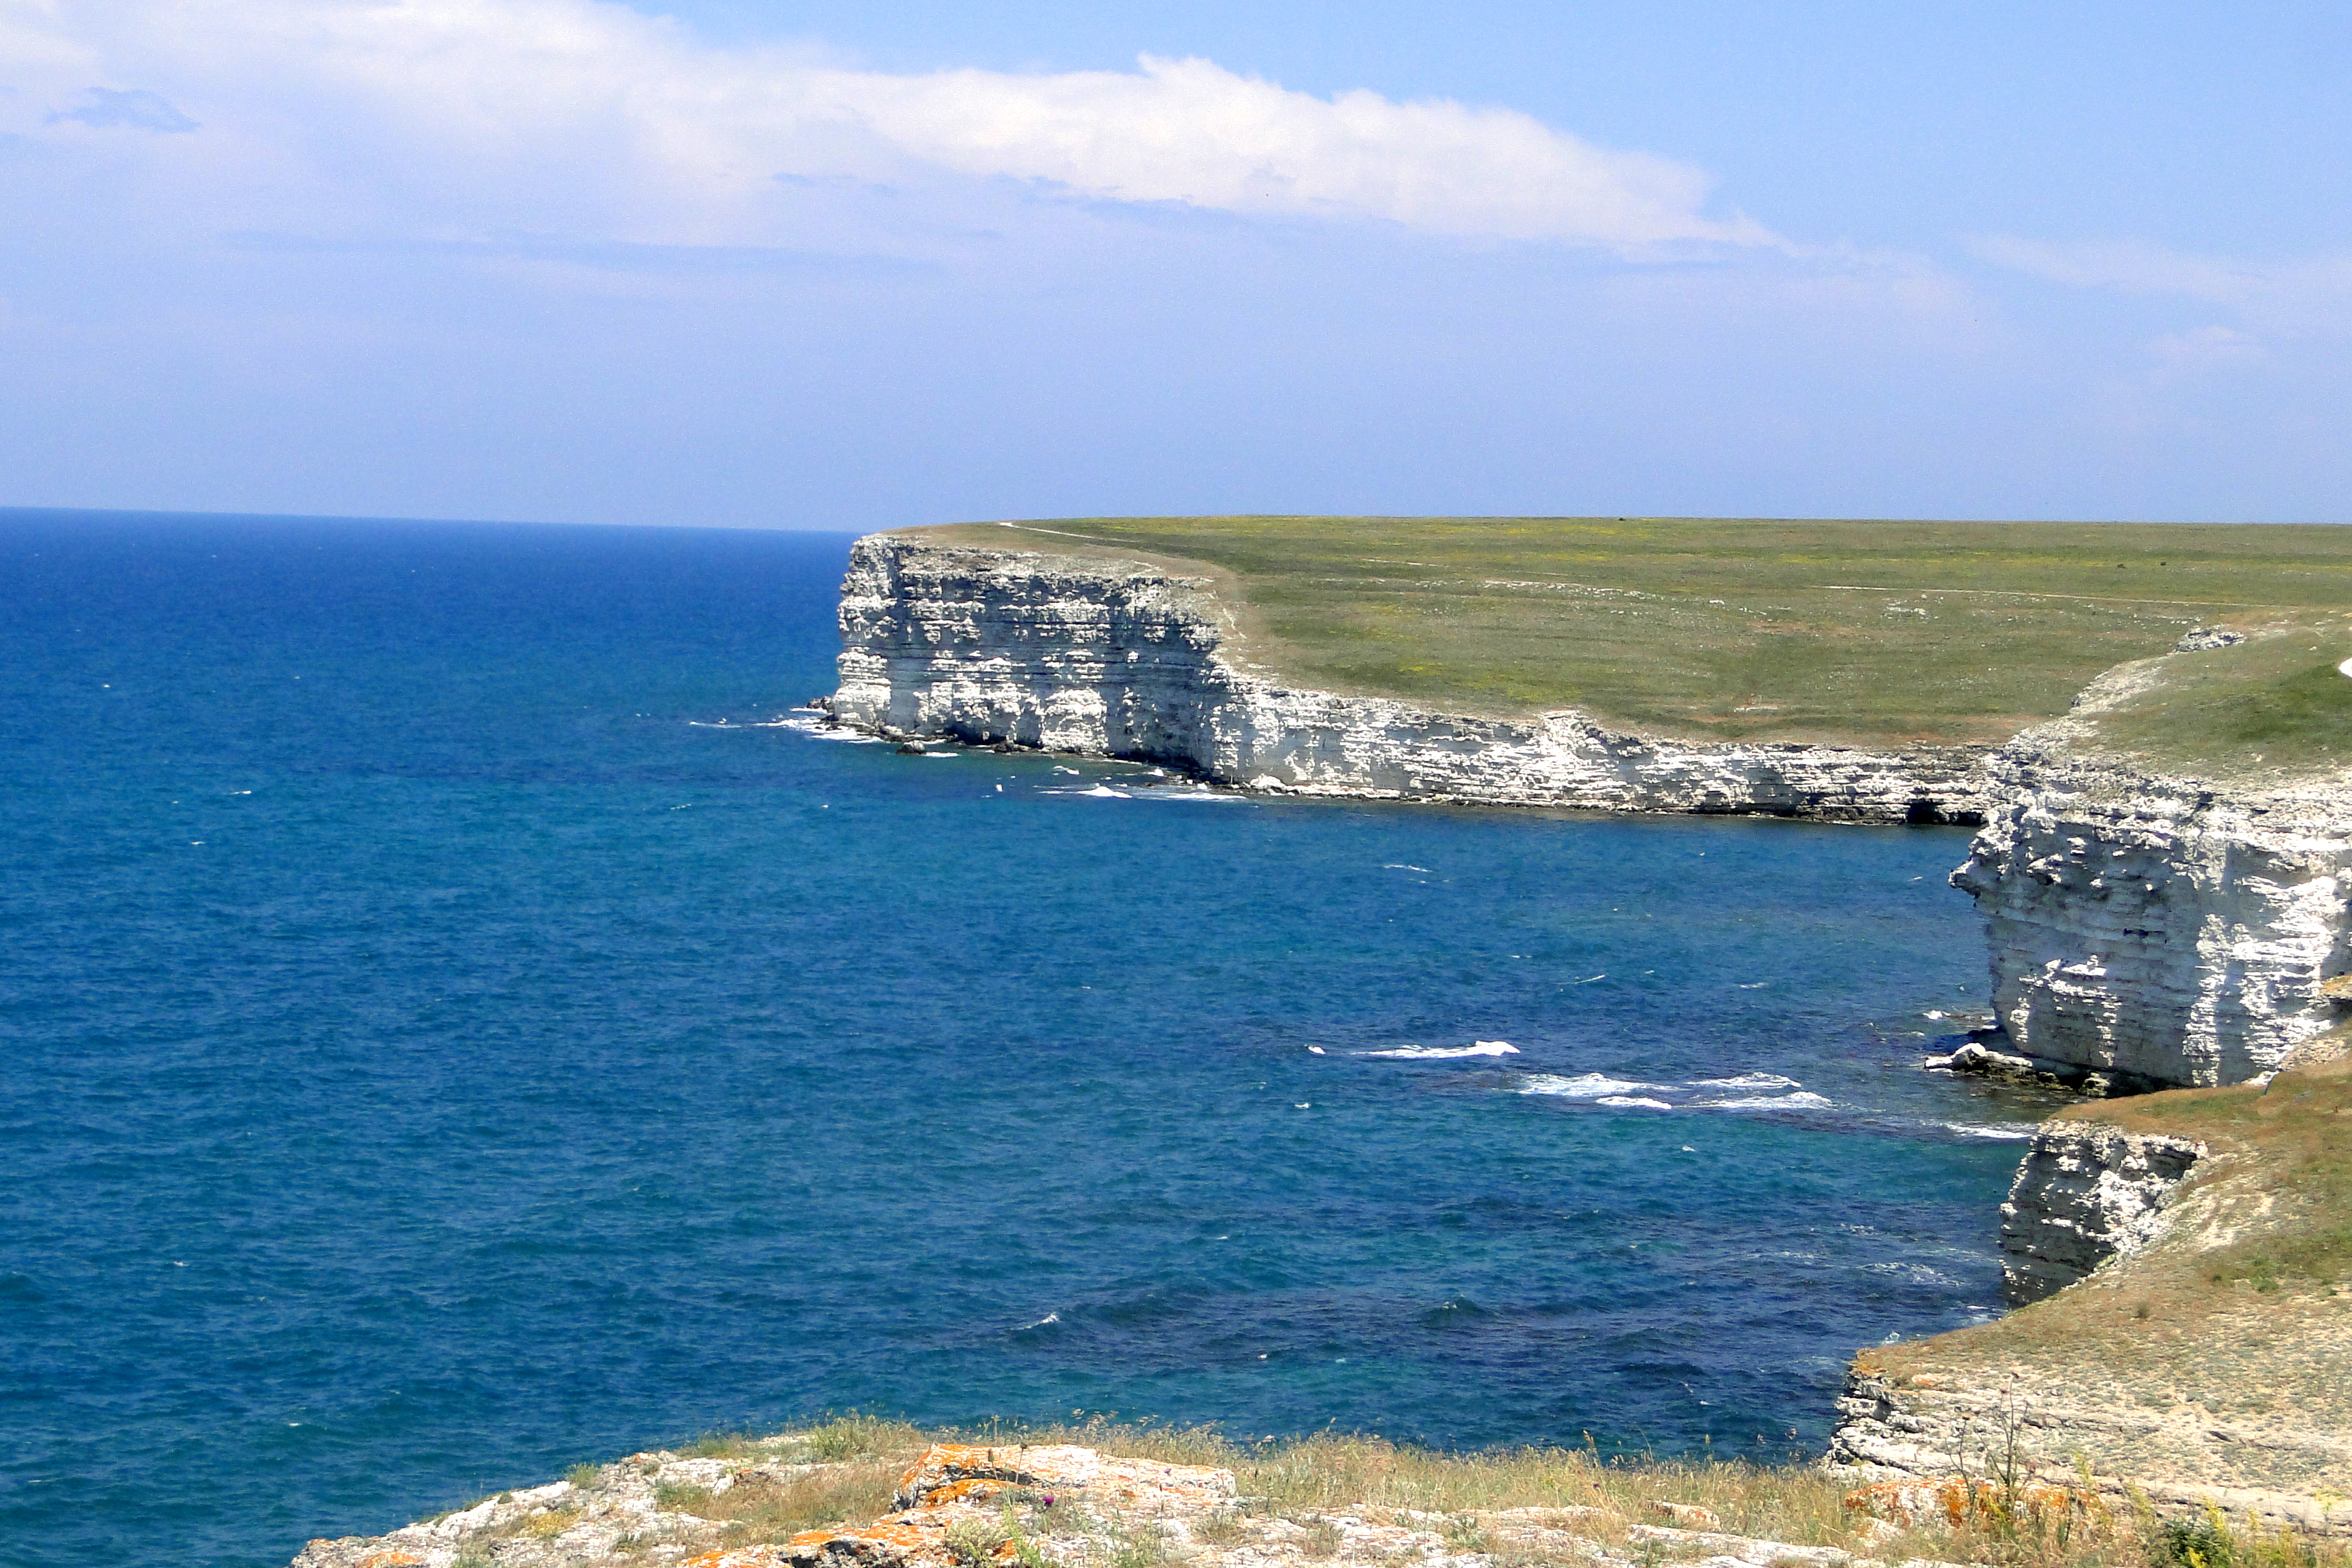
(2310,296)
(536,104)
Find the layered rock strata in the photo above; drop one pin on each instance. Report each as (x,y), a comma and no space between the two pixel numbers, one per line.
(1122,659)
(2083,1193)
(2149,931)
(2179,1461)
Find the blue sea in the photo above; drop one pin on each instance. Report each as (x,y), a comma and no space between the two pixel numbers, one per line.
(461,1020)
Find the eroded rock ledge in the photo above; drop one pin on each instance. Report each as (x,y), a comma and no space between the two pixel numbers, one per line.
(2085,1193)
(1121,659)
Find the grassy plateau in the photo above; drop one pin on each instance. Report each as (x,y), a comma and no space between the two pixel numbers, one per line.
(1871,633)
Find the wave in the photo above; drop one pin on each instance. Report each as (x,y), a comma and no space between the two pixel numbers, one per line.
(1100,792)
(1803,1100)
(1205,797)
(2008,1130)
(1633,1102)
(1584,1086)
(1748,1081)
(1446,1053)
(814,729)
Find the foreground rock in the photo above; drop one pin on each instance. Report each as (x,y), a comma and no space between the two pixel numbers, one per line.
(973,1506)
(1119,658)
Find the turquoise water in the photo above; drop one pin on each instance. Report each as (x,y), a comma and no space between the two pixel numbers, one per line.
(453,1031)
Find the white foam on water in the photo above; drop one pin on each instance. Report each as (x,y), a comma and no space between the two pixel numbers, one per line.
(943,753)
(816,729)
(1748,1081)
(1802,1101)
(1446,1053)
(1756,985)
(2007,1131)
(1399,865)
(1633,1102)
(1205,797)
(1048,1318)
(1100,792)
(1315,1050)
(1584,1086)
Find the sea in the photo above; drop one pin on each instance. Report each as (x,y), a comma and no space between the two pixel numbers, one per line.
(463,1016)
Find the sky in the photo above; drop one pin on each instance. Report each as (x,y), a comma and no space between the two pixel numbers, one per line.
(757,263)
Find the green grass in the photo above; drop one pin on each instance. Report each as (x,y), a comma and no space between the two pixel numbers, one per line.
(2274,706)
(1871,632)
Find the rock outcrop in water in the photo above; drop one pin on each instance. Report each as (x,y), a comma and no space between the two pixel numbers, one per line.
(1121,660)
(2149,931)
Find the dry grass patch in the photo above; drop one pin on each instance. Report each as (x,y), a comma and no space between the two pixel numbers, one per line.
(772,1506)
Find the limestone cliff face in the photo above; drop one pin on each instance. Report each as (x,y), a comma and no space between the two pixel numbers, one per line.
(2083,1193)
(1117,659)
(2157,931)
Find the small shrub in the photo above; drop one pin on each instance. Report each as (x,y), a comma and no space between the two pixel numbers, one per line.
(1218,1527)
(550,1524)
(1138,1546)
(2193,1543)
(678,1497)
(584,1476)
(972,1542)
(1322,1538)
(1464,1534)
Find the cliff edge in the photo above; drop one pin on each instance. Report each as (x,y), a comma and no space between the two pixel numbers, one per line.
(1123,658)
(2164,871)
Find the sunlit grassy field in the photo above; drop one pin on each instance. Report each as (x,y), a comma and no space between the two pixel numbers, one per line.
(2275,707)
(1869,632)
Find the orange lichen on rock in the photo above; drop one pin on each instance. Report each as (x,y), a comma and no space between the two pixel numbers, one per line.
(1953,1498)
(394,1558)
(885,1543)
(739,1557)
(944,1468)
(971,1488)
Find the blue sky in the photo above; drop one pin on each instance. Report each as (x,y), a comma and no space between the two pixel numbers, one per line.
(828,265)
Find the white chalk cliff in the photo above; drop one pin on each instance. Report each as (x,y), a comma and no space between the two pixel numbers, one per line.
(2156,930)
(1121,659)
